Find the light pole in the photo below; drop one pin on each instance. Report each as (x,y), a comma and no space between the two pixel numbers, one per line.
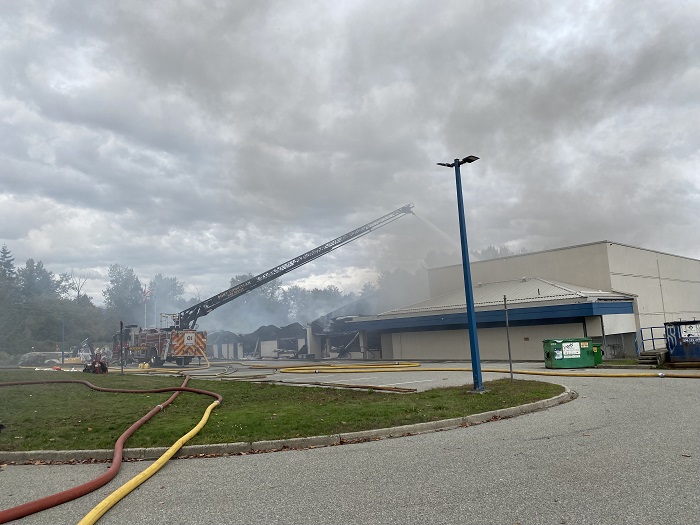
(63,342)
(468,291)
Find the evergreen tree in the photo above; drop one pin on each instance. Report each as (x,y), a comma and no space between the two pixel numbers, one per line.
(9,302)
(34,280)
(8,272)
(37,314)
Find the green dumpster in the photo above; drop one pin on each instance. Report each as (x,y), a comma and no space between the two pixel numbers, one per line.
(568,353)
(598,353)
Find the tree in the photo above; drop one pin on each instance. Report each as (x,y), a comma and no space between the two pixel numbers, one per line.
(270,291)
(75,283)
(124,295)
(84,300)
(165,295)
(368,289)
(36,313)
(9,302)
(304,305)
(35,281)
(297,301)
(7,265)
(83,319)
(168,290)
(261,306)
(492,252)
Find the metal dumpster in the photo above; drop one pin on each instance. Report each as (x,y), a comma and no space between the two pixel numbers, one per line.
(683,341)
(568,353)
(598,353)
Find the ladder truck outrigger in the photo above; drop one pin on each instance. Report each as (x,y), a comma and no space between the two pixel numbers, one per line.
(178,339)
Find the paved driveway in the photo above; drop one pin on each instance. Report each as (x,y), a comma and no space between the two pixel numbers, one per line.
(626,451)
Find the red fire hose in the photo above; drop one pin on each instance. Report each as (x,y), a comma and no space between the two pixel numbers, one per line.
(59,498)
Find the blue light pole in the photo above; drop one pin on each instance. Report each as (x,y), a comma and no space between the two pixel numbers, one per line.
(468,291)
(63,342)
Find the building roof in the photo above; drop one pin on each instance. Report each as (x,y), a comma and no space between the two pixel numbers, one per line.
(562,248)
(531,301)
(532,290)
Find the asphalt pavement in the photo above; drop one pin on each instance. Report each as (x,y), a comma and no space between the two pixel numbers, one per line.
(626,451)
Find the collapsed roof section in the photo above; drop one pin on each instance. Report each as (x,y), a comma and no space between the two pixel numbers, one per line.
(264,333)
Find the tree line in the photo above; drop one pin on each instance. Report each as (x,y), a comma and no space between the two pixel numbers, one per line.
(43,311)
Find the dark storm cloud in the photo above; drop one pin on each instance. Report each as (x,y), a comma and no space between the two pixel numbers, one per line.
(204,140)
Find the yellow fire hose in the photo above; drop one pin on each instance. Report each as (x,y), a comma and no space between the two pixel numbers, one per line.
(116,496)
(416,367)
(147,370)
(168,370)
(334,366)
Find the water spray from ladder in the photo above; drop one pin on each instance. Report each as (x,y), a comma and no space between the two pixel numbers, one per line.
(453,242)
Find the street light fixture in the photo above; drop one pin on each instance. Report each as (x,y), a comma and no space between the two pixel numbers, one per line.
(468,291)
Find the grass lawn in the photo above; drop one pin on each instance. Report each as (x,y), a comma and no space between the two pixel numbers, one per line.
(73,416)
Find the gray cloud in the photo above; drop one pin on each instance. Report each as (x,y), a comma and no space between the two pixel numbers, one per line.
(204,140)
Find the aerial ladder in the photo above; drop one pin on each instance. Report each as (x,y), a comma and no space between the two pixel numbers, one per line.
(187,319)
(180,342)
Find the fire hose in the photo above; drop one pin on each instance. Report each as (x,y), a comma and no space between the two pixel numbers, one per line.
(119,494)
(59,498)
(416,367)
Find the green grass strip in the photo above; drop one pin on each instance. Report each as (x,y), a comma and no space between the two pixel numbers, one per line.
(73,417)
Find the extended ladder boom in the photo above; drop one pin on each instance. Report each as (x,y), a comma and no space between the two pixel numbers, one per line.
(187,319)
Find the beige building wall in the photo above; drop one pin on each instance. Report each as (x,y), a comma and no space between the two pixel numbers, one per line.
(268,348)
(231,350)
(649,299)
(594,327)
(315,345)
(525,341)
(387,342)
(667,286)
(585,265)
(617,324)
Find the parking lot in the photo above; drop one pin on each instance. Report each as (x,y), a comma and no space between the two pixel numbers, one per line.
(415,376)
(625,451)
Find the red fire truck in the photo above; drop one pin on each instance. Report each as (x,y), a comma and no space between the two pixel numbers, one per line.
(155,347)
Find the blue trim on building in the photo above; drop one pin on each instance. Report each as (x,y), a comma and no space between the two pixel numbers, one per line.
(538,315)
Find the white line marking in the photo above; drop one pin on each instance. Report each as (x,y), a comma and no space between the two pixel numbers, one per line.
(409,382)
(323,377)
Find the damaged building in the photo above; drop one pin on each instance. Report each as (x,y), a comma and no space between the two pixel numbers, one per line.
(614,293)
(268,341)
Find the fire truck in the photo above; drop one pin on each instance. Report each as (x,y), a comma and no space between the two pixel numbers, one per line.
(156,346)
(179,341)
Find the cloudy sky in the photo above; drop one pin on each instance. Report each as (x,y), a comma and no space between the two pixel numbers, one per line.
(201,139)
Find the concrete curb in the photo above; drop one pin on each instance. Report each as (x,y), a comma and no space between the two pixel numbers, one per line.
(287,444)
(623,367)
